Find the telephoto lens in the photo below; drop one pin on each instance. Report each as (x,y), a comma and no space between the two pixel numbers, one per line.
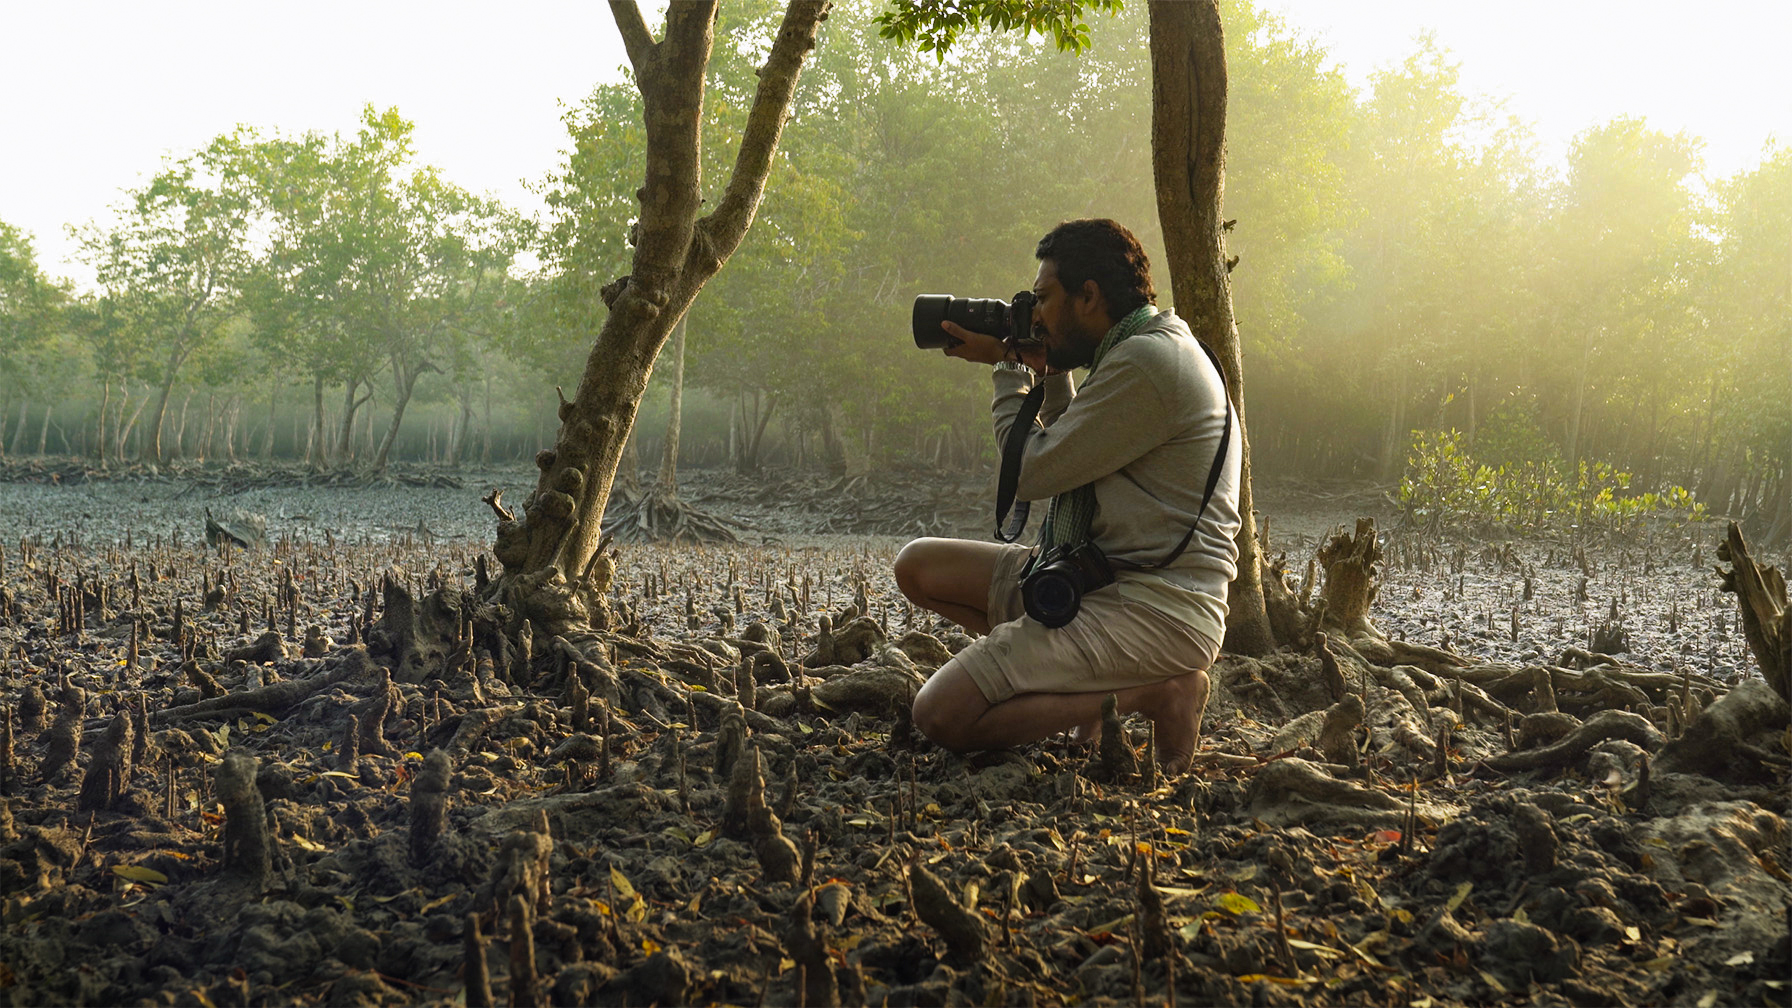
(984,315)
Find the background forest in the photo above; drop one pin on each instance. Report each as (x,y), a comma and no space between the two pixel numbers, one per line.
(1421,300)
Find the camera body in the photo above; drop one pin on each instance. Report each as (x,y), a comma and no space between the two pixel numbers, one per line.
(1052,590)
(1009,321)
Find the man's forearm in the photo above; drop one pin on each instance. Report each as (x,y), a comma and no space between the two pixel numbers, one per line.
(1012,387)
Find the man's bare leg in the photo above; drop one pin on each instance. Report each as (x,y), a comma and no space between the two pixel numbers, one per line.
(951,711)
(950,577)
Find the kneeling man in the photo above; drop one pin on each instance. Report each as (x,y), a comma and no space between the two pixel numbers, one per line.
(1142,463)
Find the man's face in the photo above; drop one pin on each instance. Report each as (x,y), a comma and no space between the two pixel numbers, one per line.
(1061,319)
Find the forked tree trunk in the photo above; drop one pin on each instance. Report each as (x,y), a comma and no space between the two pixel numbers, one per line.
(122,436)
(1188,129)
(105,404)
(314,452)
(485,430)
(405,385)
(344,452)
(18,435)
(462,430)
(666,485)
(267,444)
(152,444)
(553,570)
(752,431)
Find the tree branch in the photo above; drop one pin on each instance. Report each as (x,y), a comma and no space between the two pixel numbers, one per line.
(636,39)
(672,104)
(727,224)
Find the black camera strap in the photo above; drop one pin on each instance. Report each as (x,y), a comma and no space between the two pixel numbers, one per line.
(1015,446)
(1006,530)
(1213,473)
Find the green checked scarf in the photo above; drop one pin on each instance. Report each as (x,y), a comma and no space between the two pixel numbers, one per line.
(1067,523)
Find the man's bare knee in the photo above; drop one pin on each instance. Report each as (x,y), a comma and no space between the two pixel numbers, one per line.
(946,708)
(943,728)
(910,568)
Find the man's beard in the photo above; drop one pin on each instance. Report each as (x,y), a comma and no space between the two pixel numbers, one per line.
(1075,350)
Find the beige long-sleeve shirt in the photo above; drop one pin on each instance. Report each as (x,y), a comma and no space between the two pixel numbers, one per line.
(1144,429)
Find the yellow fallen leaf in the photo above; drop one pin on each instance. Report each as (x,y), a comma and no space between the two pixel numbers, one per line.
(621,883)
(1236,903)
(307,843)
(1322,950)
(138,873)
(340,773)
(1458,896)
(433,904)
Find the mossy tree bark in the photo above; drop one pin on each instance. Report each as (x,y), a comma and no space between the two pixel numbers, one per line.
(554,572)
(1188,144)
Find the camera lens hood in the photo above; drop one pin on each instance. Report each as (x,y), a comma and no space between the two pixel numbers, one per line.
(930,311)
(1052,594)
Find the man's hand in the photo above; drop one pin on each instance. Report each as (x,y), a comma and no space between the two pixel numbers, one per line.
(986,349)
(974,346)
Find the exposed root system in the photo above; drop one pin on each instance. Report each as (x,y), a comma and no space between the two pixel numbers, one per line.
(327,772)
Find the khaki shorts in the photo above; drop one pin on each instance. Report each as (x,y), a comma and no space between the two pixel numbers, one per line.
(1113,643)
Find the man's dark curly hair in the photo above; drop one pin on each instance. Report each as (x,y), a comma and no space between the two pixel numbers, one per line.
(1101,250)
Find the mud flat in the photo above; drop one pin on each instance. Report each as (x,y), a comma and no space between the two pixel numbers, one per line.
(318,772)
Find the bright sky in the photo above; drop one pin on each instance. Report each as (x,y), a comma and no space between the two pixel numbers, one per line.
(98,91)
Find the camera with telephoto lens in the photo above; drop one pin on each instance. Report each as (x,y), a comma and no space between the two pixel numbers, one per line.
(1053,589)
(1009,321)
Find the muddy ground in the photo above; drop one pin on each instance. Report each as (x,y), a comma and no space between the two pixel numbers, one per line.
(209,802)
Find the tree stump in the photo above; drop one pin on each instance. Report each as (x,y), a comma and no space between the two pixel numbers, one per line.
(1766,618)
(1352,577)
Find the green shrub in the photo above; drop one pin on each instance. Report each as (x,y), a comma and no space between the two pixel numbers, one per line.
(1446,486)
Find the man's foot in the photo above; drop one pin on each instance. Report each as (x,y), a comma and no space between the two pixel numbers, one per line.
(1175,706)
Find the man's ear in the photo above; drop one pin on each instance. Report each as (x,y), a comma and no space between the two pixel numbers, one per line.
(1093,305)
(1090,293)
